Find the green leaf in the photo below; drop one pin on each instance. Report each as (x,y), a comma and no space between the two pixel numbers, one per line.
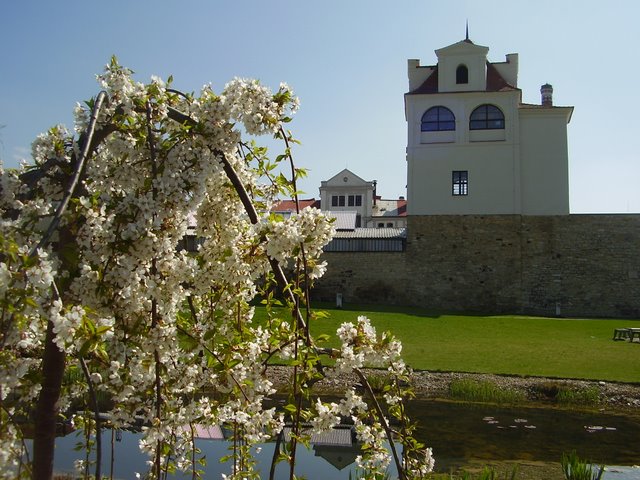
(290,408)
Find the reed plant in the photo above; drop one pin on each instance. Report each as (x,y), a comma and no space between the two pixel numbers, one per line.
(470,390)
(487,473)
(576,469)
(589,396)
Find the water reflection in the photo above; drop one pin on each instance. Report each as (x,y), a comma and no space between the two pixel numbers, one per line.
(327,458)
(460,434)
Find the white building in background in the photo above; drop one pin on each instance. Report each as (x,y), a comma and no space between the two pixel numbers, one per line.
(473,147)
(347,192)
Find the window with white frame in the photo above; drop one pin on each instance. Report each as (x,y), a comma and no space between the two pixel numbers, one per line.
(354,200)
(337,201)
(460,182)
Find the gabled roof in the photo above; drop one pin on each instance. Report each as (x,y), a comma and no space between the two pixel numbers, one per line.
(462,47)
(338,179)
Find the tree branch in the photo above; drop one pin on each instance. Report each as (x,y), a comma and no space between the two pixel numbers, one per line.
(87,148)
(383,421)
(96,413)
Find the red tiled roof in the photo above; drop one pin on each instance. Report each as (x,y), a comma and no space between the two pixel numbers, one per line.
(402,208)
(290,205)
(430,85)
(495,82)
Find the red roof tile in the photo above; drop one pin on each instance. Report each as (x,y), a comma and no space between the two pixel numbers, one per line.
(290,205)
(495,82)
(402,208)
(430,85)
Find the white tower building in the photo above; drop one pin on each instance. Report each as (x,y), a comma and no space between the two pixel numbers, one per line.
(474,148)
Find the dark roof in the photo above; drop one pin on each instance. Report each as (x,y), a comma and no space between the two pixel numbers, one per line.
(495,82)
(402,207)
(290,205)
(430,85)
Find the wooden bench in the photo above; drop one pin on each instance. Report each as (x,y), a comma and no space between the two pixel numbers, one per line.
(621,334)
(633,333)
(626,334)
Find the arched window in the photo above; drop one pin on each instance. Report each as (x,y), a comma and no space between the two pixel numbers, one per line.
(462,74)
(486,117)
(438,119)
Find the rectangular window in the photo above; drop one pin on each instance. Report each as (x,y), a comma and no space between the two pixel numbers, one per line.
(341,201)
(460,182)
(358,200)
(352,200)
(334,201)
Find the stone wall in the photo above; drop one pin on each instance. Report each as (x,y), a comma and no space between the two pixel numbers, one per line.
(575,265)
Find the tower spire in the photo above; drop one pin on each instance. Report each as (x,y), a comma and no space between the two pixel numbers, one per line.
(467,31)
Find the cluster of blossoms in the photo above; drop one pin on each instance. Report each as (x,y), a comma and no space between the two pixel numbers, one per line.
(255,106)
(361,346)
(152,325)
(310,228)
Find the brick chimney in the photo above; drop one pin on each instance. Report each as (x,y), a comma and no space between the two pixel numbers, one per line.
(546,91)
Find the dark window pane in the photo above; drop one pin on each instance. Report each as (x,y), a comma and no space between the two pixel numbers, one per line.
(486,117)
(460,182)
(462,74)
(334,201)
(438,119)
(358,200)
(431,115)
(446,115)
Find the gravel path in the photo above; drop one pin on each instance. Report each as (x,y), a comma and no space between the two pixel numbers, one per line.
(613,396)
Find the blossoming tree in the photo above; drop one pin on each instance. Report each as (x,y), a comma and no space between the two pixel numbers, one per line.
(102,311)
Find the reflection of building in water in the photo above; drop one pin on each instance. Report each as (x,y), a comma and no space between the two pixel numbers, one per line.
(337,446)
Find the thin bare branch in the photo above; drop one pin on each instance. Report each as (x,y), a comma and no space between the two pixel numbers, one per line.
(383,421)
(79,167)
(96,416)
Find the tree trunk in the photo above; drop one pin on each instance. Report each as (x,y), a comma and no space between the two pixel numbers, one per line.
(47,408)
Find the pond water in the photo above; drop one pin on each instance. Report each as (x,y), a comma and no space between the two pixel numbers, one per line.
(463,433)
(460,434)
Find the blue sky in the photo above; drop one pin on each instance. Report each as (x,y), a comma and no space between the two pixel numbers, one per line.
(346,60)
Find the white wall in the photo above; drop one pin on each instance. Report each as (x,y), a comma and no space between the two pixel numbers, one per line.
(489,156)
(545,162)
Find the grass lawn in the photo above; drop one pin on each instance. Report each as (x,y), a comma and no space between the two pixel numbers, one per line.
(516,345)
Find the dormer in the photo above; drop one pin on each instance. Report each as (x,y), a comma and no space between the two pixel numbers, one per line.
(462,67)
